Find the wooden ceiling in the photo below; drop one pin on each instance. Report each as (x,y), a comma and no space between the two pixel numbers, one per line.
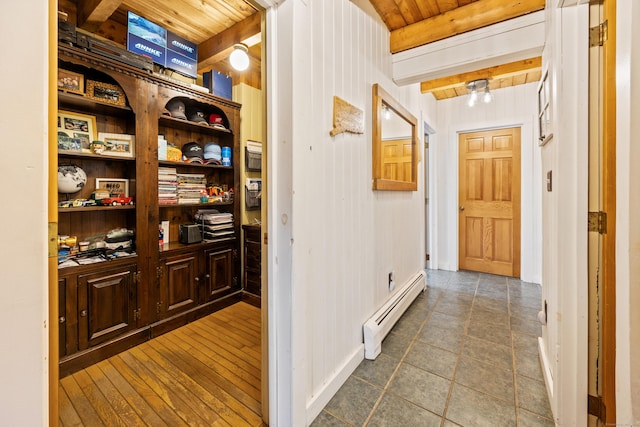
(414,23)
(215,25)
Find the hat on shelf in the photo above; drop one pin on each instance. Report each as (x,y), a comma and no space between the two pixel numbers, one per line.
(212,153)
(197,116)
(192,152)
(216,121)
(177,109)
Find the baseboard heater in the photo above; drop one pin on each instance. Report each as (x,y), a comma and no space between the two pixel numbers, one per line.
(379,325)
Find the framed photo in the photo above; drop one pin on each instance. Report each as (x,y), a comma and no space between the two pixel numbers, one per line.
(113,185)
(545,132)
(116,144)
(105,92)
(69,81)
(76,126)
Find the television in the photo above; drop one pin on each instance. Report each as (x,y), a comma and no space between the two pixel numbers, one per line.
(164,47)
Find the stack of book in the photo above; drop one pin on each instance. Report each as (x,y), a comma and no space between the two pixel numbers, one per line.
(167,186)
(215,225)
(191,187)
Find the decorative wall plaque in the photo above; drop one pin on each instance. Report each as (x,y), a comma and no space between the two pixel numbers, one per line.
(346,118)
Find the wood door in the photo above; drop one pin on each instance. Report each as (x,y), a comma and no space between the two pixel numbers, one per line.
(489,202)
(219,272)
(106,304)
(178,284)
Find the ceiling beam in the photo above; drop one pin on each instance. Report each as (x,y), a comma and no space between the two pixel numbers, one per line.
(93,13)
(220,46)
(491,73)
(466,18)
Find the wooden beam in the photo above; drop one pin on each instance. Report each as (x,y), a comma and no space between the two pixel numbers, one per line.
(466,18)
(220,46)
(93,13)
(495,72)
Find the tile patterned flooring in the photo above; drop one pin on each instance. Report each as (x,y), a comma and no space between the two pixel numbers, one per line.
(464,354)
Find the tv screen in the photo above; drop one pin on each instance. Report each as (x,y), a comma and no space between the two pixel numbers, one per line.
(164,47)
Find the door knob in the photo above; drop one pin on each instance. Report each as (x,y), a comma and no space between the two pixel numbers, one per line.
(461,208)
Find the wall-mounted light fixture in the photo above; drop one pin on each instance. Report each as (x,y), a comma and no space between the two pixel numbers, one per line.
(239,58)
(476,86)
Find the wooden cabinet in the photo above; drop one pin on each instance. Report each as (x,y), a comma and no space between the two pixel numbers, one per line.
(219,269)
(113,304)
(252,259)
(179,277)
(106,304)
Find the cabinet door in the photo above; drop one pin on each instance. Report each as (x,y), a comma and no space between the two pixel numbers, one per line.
(252,271)
(62,316)
(219,272)
(178,284)
(106,305)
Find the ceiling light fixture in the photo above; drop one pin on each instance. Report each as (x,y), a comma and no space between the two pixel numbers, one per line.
(474,87)
(239,58)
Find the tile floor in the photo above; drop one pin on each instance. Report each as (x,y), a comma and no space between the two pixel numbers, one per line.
(464,354)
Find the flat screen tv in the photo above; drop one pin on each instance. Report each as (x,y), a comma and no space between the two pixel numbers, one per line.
(164,47)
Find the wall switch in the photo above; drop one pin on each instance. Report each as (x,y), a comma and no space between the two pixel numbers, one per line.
(392,281)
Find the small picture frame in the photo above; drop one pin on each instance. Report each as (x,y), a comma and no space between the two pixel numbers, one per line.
(105,92)
(113,185)
(78,127)
(117,144)
(69,81)
(545,131)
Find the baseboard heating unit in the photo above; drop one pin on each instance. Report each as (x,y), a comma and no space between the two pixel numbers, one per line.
(379,325)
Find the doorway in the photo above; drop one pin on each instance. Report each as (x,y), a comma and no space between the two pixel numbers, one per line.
(489,201)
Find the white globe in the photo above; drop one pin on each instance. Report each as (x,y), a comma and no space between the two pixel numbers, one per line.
(71,179)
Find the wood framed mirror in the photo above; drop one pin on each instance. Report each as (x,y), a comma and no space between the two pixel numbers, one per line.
(395,144)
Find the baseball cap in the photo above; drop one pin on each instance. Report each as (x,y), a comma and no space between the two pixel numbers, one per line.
(177,109)
(197,116)
(216,121)
(212,153)
(192,152)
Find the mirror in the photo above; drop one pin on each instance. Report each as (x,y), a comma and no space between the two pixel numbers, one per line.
(395,147)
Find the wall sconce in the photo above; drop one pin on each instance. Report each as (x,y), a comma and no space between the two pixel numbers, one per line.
(476,86)
(239,58)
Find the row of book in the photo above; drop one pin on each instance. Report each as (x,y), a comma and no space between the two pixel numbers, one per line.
(180,188)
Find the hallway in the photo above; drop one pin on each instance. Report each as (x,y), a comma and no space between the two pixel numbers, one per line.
(465,353)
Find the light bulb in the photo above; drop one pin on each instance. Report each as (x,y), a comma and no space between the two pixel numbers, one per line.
(487,97)
(473,98)
(239,58)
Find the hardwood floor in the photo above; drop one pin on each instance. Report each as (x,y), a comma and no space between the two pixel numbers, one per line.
(204,373)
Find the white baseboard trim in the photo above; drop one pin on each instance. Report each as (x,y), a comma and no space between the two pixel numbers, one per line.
(546,373)
(316,404)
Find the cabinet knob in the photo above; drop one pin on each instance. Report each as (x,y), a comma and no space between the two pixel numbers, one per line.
(207,275)
(62,319)
(83,313)
(197,279)
(461,208)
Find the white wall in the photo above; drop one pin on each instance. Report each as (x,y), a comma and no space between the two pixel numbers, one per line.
(23,220)
(512,107)
(628,227)
(339,237)
(564,278)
